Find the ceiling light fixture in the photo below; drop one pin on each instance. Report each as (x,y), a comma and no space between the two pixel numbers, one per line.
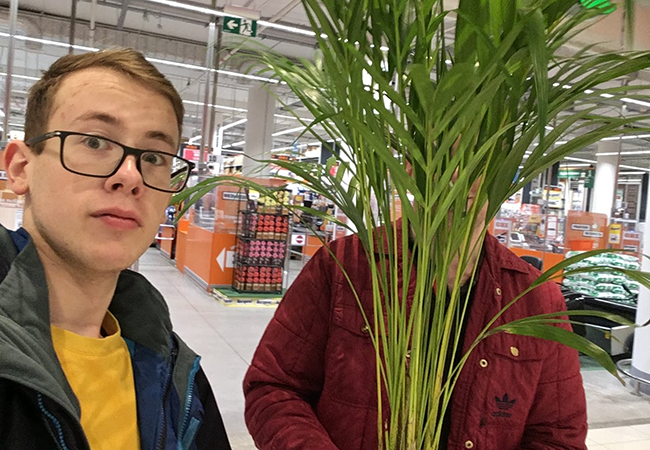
(623,166)
(571,158)
(234,124)
(636,102)
(289,131)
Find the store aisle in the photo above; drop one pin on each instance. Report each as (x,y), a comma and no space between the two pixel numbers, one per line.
(226,337)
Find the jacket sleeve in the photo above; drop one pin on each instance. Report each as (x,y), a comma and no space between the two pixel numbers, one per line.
(212,434)
(558,418)
(285,379)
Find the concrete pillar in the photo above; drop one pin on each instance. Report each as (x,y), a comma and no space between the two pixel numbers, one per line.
(604,184)
(259,130)
(641,349)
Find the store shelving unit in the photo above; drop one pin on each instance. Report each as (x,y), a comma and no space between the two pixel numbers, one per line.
(260,254)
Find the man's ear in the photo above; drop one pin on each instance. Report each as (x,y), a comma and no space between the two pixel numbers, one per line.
(409,168)
(17,158)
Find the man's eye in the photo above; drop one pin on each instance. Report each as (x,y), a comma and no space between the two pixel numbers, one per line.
(153,158)
(95,143)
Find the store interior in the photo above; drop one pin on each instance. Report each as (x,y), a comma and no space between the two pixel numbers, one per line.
(224,264)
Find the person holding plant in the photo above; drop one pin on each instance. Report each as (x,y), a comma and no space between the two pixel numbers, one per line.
(312,382)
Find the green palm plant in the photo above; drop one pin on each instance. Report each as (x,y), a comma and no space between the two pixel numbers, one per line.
(424,125)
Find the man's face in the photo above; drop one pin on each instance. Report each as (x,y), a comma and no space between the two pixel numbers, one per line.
(99,224)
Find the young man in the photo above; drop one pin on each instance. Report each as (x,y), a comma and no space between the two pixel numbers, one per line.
(88,359)
(312,383)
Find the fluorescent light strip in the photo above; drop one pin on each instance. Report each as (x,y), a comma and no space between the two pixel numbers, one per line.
(25,77)
(607,95)
(234,124)
(635,152)
(636,181)
(227,108)
(229,73)
(636,102)
(289,29)
(623,166)
(568,165)
(630,173)
(570,158)
(289,131)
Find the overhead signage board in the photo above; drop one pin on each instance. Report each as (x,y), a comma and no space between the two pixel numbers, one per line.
(240,25)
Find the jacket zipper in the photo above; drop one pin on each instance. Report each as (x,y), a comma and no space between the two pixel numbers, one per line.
(160,441)
(189,397)
(55,423)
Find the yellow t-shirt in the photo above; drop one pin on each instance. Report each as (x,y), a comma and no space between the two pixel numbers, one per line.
(100,374)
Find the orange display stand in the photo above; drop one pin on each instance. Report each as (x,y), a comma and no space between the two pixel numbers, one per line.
(208,255)
(166,246)
(181,244)
(549,259)
(586,231)
(312,245)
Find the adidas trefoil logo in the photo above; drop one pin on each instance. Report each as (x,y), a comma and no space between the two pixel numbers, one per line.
(504,404)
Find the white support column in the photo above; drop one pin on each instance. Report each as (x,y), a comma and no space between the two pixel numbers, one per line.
(259,130)
(604,184)
(641,349)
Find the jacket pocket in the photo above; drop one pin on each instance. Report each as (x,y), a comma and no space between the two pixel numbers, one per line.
(514,370)
(350,373)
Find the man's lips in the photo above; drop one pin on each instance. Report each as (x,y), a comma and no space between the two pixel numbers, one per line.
(117,215)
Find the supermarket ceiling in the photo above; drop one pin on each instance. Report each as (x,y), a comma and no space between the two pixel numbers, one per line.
(175,32)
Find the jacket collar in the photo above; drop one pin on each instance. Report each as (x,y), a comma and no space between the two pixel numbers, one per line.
(27,354)
(495,255)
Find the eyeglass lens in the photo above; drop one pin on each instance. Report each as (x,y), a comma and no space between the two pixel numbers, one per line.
(92,155)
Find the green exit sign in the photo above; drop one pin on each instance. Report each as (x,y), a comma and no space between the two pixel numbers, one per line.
(603,6)
(240,25)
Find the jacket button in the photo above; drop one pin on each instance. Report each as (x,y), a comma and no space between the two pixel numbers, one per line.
(408,354)
(514,351)
(499,292)
(365,329)
(469,444)
(483,363)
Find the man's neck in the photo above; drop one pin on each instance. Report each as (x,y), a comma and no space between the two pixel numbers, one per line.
(78,299)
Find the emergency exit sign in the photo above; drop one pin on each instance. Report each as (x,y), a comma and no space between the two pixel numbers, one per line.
(240,25)
(603,6)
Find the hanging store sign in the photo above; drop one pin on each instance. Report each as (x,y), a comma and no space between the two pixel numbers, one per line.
(241,26)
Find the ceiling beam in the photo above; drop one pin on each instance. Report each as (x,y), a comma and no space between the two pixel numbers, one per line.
(125,9)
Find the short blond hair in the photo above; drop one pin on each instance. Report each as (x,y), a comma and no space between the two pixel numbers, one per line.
(126,61)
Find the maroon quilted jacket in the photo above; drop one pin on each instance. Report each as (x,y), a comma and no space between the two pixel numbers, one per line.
(311,385)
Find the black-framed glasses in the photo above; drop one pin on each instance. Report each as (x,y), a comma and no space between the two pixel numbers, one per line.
(96,156)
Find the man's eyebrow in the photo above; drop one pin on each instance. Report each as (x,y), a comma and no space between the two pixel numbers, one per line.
(100,116)
(112,120)
(162,136)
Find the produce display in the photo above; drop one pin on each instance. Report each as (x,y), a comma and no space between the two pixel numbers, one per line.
(259,252)
(610,286)
(258,279)
(262,234)
(264,225)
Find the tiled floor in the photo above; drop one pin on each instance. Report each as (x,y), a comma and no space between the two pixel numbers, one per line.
(620,438)
(226,337)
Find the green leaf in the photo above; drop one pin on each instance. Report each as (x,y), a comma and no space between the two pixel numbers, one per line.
(564,337)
